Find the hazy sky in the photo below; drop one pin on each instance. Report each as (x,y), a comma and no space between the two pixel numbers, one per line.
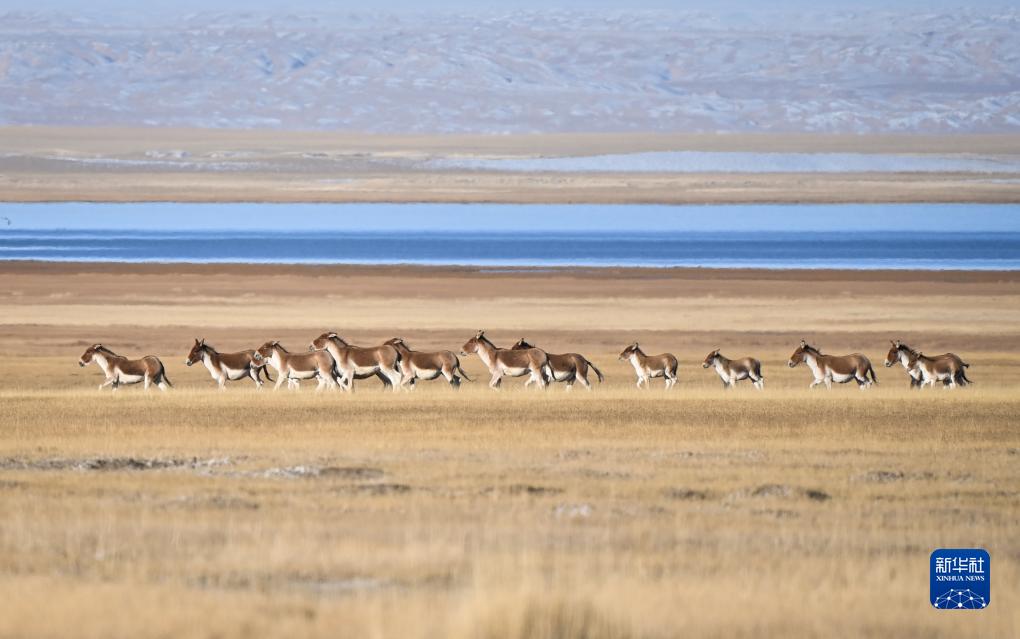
(278,6)
(445,217)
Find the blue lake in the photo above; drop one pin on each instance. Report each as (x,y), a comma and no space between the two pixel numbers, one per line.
(971,237)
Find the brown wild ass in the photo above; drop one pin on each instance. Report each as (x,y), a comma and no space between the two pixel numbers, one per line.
(504,361)
(649,366)
(297,366)
(901,352)
(732,371)
(356,362)
(568,367)
(228,366)
(932,369)
(834,368)
(120,370)
(427,365)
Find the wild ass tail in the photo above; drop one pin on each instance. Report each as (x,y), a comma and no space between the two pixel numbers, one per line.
(871,371)
(595,368)
(462,373)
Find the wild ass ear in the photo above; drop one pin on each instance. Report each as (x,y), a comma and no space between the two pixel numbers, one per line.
(480,334)
(803,342)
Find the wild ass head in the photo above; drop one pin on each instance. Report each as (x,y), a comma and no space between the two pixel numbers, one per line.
(196,352)
(90,352)
(894,352)
(475,343)
(266,351)
(322,341)
(710,359)
(630,350)
(802,351)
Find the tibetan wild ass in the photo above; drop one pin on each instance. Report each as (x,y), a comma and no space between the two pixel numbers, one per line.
(296,366)
(356,362)
(932,370)
(649,366)
(504,361)
(427,365)
(121,370)
(901,352)
(834,368)
(568,367)
(228,366)
(732,371)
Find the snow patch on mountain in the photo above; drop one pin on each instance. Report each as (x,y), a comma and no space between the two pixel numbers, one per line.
(520,71)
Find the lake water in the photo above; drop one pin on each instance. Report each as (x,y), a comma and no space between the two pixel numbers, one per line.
(607,236)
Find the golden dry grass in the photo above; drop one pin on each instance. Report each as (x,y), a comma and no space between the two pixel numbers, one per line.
(515,514)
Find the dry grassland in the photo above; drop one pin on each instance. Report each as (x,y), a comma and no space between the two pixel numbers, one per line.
(614,513)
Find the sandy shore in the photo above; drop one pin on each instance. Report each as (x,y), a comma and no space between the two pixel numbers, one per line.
(125,165)
(159,308)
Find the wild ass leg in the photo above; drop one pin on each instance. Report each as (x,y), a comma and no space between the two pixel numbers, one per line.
(110,381)
(146,381)
(395,378)
(451,376)
(497,379)
(253,373)
(538,376)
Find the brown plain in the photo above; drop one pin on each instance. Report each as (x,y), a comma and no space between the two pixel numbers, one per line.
(114,165)
(443,513)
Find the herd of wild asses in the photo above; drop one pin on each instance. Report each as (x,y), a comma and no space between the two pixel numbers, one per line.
(334,363)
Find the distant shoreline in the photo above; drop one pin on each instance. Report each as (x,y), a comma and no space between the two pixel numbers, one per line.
(67,267)
(123,164)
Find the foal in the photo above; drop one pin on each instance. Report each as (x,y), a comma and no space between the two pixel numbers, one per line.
(901,352)
(732,371)
(936,369)
(649,366)
(120,370)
